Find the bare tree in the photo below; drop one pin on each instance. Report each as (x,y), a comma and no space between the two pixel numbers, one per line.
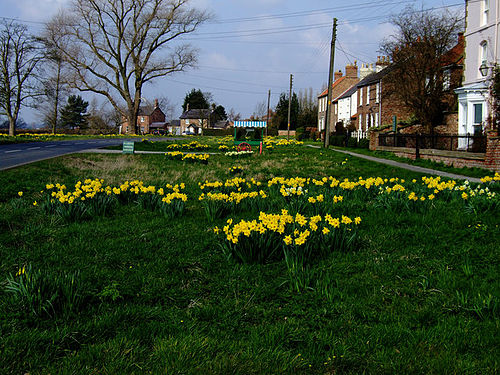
(54,90)
(164,104)
(113,47)
(416,51)
(232,115)
(260,110)
(20,55)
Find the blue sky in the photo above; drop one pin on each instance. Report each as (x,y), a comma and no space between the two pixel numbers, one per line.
(251,46)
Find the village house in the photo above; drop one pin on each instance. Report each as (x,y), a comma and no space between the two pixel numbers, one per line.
(452,70)
(481,56)
(148,123)
(339,86)
(377,102)
(192,121)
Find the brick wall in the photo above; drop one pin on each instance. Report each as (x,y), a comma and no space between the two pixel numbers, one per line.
(489,160)
(493,151)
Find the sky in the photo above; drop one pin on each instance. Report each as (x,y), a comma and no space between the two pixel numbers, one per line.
(252,46)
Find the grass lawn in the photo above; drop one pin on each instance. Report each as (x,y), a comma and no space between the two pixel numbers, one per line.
(414,289)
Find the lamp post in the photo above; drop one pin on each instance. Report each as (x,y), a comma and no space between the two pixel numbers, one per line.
(484,69)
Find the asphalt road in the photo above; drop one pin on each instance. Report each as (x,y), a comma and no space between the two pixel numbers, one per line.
(14,155)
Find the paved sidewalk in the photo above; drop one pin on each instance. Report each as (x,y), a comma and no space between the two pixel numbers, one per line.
(410,167)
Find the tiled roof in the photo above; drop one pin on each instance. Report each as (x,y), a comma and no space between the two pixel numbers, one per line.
(375,77)
(195,114)
(324,93)
(348,92)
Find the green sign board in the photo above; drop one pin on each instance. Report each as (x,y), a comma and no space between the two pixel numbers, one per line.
(128,147)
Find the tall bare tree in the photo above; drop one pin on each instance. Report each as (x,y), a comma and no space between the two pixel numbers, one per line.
(416,51)
(54,88)
(114,47)
(20,55)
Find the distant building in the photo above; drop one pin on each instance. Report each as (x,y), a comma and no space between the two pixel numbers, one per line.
(147,123)
(339,86)
(200,118)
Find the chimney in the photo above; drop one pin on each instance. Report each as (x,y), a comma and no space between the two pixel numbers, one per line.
(366,70)
(337,75)
(156,103)
(351,71)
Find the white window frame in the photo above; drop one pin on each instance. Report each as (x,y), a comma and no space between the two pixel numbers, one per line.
(361,96)
(485,12)
(142,118)
(446,79)
(367,117)
(377,92)
(367,95)
(483,55)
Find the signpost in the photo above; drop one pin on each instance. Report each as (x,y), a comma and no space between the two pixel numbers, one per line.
(128,147)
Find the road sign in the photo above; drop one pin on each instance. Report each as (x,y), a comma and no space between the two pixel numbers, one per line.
(128,147)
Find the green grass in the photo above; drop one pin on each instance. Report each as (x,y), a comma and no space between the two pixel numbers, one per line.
(439,166)
(158,295)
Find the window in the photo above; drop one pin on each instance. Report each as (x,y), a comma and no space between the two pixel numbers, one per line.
(368,95)
(377,92)
(446,79)
(375,119)
(483,56)
(187,121)
(361,96)
(367,117)
(478,113)
(485,10)
(142,118)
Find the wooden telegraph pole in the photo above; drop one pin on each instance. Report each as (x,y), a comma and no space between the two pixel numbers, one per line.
(268,100)
(289,107)
(328,113)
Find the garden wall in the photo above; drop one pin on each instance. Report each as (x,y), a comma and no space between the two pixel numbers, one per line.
(489,160)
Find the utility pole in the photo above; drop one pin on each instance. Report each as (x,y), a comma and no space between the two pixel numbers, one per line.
(268,100)
(328,113)
(289,107)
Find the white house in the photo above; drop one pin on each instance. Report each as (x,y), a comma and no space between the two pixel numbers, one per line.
(348,105)
(481,51)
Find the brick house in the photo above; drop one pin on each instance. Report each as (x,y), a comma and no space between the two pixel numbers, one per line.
(453,69)
(148,123)
(377,102)
(339,86)
(194,119)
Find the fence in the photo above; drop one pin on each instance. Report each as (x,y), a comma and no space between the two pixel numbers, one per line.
(359,134)
(466,143)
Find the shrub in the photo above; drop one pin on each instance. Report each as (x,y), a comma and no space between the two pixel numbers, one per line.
(352,142)
(44,293)
(364,143)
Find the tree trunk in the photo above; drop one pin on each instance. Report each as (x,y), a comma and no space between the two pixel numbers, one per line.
(12,126)
(132,122)
(56,99)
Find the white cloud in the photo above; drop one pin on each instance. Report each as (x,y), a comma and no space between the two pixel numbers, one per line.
(215,59)
(35,10)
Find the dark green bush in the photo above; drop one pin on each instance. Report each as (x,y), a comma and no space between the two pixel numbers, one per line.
(352,142)
(364,143)
(218,132)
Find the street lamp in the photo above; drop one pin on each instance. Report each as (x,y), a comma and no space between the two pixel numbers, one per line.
(484,69)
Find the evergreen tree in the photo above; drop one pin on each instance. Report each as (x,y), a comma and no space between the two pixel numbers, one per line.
(280,120)
(196,100)
(219,113)
(73,114)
